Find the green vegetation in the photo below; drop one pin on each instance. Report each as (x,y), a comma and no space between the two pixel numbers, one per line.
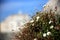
(43,26)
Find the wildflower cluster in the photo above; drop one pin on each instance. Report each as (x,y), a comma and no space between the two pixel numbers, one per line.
(43,26)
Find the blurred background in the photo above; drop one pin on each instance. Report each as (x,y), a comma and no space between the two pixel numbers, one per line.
(11,7)
(15,13)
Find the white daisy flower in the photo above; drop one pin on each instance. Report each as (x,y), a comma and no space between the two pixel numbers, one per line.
(51,27)
(37,18)
(48,33)
(32,21)
(19,36)
(44,35)
(33,24)
(50,22)
(35,39)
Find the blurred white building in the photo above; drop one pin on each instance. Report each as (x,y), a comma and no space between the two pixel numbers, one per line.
(14,22)
(12,25)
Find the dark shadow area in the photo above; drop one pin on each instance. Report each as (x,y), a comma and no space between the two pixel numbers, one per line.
(4,36)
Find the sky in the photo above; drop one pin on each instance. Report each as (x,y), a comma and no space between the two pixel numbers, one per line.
(10,7)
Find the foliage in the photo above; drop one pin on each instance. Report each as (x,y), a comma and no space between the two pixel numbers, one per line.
(43,26)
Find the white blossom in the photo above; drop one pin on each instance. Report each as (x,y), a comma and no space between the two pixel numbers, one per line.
(48,33)
(51,27)
(19,36)
(44,35)
(33,24)
(37,18)
(50,22)
(32,21)
(35,39)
